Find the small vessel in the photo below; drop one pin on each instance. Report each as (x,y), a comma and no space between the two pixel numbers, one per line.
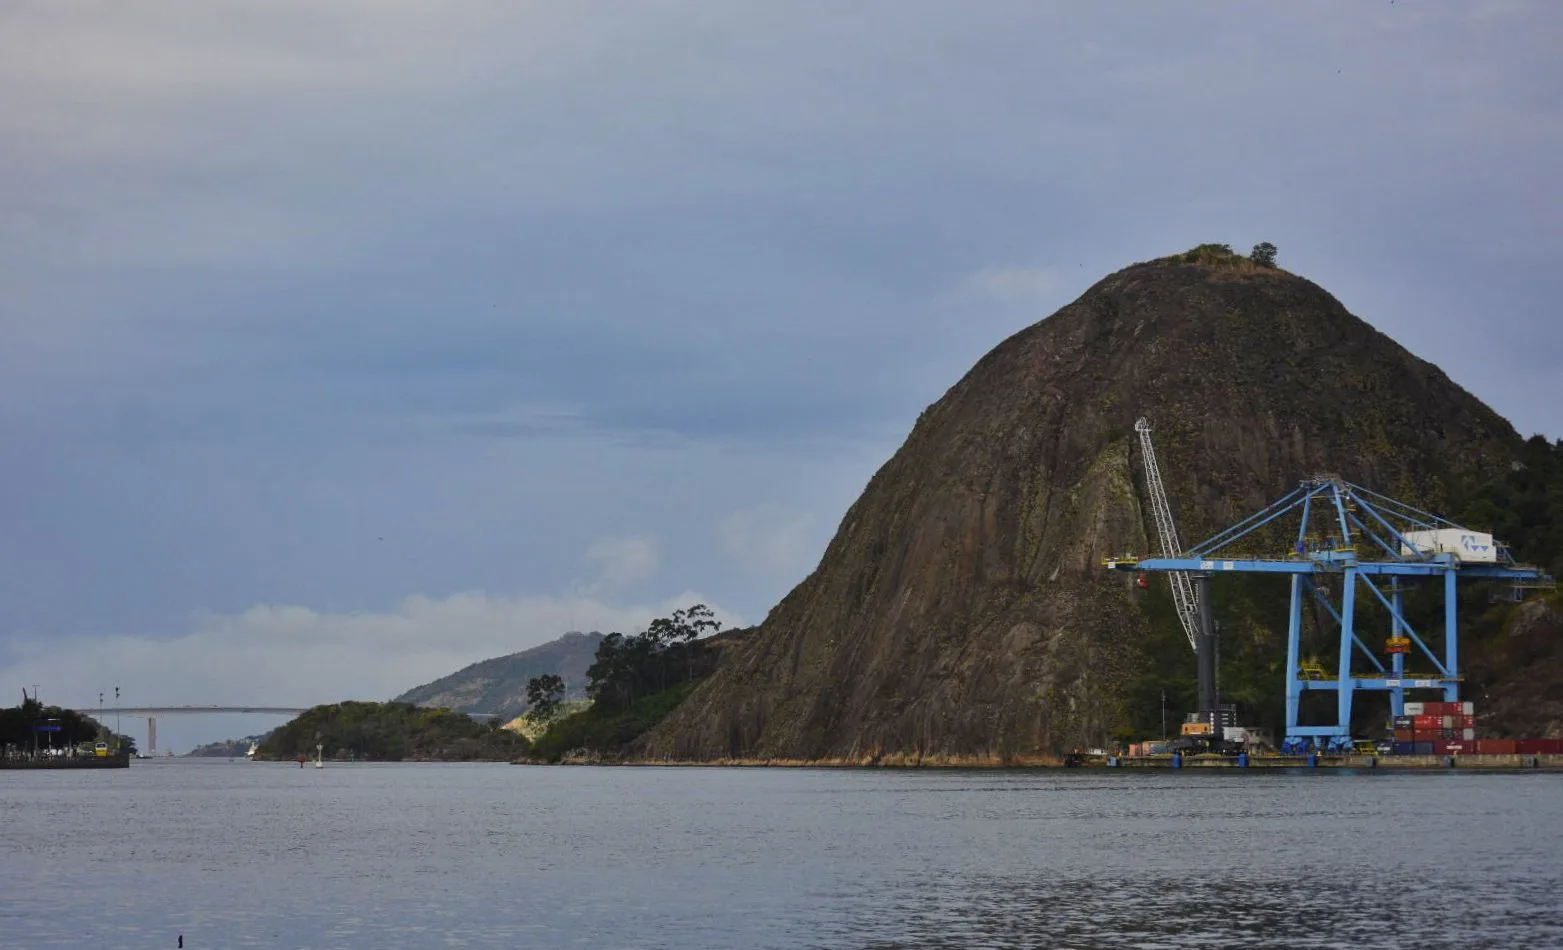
(251,754)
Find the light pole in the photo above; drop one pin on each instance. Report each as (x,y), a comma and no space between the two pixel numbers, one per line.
(116,719)
(1164,715)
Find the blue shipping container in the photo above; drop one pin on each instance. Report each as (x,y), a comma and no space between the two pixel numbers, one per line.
(1404,748)
(1423,748)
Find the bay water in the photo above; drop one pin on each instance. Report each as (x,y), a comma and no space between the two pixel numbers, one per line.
(241,854)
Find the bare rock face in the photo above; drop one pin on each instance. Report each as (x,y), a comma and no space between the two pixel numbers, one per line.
(961,611)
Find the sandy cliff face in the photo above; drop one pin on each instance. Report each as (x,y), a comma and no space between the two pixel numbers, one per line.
(961,609)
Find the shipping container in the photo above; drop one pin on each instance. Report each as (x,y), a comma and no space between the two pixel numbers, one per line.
(1434,722)
(1467,708)
(1405,735)
(1452,748)
(1529,746)
(1405,722)
(1469,735)
(1469,546)
(1414,709)
(1403,748)
(1465,722)
(1549,747)
(1422,748)
(1494,746)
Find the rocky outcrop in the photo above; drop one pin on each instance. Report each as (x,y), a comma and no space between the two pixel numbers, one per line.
(961,609)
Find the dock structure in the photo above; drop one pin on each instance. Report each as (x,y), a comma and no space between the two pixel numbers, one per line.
(1320,761)
(1354,540)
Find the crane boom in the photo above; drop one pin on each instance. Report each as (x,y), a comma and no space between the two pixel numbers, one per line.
(1183,598)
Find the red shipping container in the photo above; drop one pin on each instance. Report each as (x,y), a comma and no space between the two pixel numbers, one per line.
(1465,722)
(1428,735)
(1495,746)
(1453,748)
(1433,709)
(1529,746)
(1428,722)
(1551,746)
(1405,735)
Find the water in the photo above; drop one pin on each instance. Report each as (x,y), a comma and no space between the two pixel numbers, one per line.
(239,854)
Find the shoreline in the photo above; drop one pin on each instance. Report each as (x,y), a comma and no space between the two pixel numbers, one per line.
(1445,763)
(44,763)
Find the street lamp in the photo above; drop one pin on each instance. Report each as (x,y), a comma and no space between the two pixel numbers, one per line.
(116,719)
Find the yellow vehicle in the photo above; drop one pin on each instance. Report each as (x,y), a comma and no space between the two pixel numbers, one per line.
(101,750)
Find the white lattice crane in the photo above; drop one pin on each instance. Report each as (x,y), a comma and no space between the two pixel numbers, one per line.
(1184,600)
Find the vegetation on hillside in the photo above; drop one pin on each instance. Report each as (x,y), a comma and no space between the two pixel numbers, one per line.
(33,725)
(1524,507)
(392,732)
(634,683)
(1222,257)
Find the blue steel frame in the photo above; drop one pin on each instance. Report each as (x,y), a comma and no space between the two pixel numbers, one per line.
(1359,556)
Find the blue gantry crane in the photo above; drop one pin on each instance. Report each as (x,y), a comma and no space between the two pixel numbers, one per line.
(1370,545)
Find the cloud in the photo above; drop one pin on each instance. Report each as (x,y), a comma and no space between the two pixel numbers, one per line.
(279,654)
(770,541)
(621,562)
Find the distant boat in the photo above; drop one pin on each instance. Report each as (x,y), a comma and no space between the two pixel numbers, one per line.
(251,754)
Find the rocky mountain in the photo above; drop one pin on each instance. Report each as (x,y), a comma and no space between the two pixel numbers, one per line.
(961,610)
(499,685)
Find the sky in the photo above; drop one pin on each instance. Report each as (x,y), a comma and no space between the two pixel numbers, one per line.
(342,345)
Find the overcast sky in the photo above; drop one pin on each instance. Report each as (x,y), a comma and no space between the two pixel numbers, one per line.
(343,344)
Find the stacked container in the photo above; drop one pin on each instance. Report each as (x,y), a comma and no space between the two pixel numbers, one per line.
(1436,729)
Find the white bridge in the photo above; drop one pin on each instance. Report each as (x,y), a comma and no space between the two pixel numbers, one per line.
(150,714)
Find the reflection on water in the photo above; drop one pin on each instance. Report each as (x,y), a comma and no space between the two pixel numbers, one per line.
(258,855)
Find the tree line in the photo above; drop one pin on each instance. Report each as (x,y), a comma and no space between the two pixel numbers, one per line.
(626,668)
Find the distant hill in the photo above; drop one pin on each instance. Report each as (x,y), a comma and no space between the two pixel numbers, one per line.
(390,732)
(499,685)
(225,749)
